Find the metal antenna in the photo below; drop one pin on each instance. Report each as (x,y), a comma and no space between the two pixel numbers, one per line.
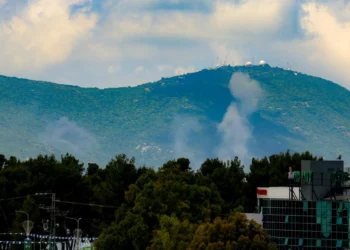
(78,234)
(27,225)
(288,66)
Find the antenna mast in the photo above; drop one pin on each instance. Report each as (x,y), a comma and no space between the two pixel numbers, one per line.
(288,66)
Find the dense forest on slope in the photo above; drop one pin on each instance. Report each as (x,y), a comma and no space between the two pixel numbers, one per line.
(129,207)
(173,117)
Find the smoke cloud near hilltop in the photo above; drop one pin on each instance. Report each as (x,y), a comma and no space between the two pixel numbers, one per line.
(66,136)
(235,128)
(234,131)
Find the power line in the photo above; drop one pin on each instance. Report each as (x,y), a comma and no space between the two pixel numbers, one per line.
(69,202)
(86,204)
(20,197)
(14,198)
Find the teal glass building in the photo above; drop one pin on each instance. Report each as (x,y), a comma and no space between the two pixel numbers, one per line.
(313,212)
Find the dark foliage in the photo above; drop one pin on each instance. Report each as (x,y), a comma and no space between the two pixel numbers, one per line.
(173,207)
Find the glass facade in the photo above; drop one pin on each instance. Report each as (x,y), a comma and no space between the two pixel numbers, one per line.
(302,224)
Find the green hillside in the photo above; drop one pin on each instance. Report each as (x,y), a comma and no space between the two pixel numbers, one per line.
(179,115)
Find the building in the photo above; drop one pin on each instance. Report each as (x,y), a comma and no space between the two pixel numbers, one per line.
(312,212)
(248,64)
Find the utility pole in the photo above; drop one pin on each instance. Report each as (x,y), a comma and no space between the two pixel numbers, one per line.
(53,211)
(53,214)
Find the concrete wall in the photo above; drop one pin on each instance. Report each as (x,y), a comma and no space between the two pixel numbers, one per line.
(321,177)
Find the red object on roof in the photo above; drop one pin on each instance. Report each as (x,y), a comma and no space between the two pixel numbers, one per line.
(261,191)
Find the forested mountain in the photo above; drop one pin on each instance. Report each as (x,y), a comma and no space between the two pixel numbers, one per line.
(183,116)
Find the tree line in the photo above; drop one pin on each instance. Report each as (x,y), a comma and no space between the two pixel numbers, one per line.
(129,207)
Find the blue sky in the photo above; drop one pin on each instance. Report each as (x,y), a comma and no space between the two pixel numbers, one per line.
(113,43)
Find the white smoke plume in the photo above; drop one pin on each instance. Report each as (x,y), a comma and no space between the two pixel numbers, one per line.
(65,136)
(185,130)
(235,128)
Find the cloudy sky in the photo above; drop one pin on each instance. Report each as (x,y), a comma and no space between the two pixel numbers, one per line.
(113,43)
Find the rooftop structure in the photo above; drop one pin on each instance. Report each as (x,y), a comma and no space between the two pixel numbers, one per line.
(262,62)
(313,211)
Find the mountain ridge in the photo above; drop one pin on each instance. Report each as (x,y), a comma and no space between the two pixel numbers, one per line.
(143,120)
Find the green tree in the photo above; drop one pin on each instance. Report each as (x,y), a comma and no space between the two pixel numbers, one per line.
(120,173)
(174,191)
(172,235)
(229,177)
(235,232)
(129,233)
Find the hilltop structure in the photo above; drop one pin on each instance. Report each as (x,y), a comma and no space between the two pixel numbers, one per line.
(262,63)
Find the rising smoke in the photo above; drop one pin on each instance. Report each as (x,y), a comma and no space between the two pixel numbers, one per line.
(188,140)
(235,128)
(65,136)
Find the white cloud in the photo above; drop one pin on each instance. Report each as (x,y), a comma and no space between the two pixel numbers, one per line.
(260,16)
(2,3)
(43,34)
(97,51)
(135,31)
(139,69)
(340,10)
(182,71)
(113,68)
(227,18)
(44,38)
(329,45)
(324,51)
(163,67)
